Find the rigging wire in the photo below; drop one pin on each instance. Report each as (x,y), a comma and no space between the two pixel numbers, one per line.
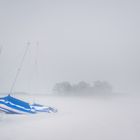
(19,68)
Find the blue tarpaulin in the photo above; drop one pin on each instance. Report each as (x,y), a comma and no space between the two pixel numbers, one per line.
(11,105)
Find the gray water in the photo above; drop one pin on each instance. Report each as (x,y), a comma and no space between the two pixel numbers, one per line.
(78,118)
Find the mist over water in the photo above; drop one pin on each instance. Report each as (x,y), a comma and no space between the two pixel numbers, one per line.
(78,118)
(83,59)
(77,40)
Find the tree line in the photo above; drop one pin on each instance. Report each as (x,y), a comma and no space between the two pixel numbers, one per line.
(82,88)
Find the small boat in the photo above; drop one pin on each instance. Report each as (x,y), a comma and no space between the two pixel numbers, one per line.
(42,108)
(11,105)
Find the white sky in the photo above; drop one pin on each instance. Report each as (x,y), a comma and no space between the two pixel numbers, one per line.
(78,40)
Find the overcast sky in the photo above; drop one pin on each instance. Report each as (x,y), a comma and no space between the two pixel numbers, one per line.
(78,40)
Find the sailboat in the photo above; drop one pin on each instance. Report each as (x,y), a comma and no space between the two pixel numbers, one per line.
(12,105)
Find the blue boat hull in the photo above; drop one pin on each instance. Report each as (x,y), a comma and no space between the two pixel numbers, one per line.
(11,105)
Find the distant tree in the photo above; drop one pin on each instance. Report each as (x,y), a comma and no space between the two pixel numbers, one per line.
(62,88)
(102,86)
(83,85)
(82,88)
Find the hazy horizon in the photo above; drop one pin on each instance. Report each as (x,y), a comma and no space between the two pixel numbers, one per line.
(77,40)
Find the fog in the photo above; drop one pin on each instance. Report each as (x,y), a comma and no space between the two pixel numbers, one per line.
(77,40)
(96,42)
(78,118)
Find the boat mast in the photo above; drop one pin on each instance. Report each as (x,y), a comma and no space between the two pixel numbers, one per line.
(1,49)
(19,68)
